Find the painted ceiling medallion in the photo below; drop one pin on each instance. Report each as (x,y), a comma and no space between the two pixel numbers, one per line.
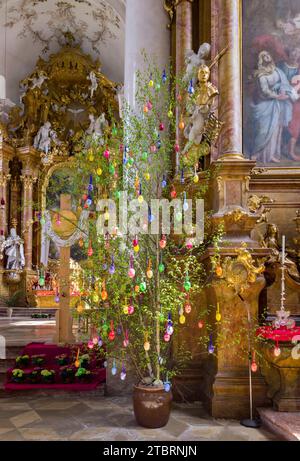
(47,21)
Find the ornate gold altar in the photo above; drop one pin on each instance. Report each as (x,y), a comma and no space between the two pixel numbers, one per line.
(63,98)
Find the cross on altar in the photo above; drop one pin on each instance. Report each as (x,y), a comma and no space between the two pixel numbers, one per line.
(64,321)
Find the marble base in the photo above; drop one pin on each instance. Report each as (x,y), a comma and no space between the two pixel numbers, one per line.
(285,425)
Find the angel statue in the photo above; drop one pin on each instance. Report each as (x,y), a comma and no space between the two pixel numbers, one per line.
(39,80)
(94,83)
(199,112)
(14,250)
(193,61)
(97,126)
(42,140)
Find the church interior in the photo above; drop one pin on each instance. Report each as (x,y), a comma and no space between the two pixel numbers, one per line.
(149,220)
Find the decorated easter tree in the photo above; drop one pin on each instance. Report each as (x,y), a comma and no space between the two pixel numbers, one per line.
(140,281)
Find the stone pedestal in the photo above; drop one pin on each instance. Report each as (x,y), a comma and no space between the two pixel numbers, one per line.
(283,377)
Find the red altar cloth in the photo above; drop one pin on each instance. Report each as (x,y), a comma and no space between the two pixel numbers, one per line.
(282,334)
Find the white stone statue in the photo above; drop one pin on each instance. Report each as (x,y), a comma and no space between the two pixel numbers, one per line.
(39,80)
(97,126)
(14,251)
(42,140)
(194,129)
(193,61)
(94,83)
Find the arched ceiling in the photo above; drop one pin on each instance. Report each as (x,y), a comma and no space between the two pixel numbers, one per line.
(33,28)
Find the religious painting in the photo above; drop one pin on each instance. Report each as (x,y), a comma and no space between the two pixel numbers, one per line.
(271,81)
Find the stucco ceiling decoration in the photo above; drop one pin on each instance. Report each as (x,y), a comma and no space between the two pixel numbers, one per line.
(33,28)
(45,21)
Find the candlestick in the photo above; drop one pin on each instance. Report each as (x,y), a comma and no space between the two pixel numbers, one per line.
(283,249)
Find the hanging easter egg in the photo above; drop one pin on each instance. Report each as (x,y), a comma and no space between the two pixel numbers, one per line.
(149,274)
(187,285)
(182,319)
(105,364)
(151,83)
(104,295)
(137,288)
(161,127)
(42,281)
(164,76)
(111,335)
(185,206)
(99,171)
(189,244)
(80,242)
(125,343)
(149,105)
(188,308)
(95,297)
(111,169)
(147,176)
(181,125)
(123,374)
(196,179)
(90,344)
(167,337)
(153,149)
(130,309)
(167,386)
(117,194)
(105,327)
(163,242)
(218,317)
(147,346)
(100,342)
(114,370)
(106,154)
(56,299)
(125,309)
(130,161)
(254,367)
(170,114)
(136,249)
(146,110)
(161,268)
(145,156)
(91,158)
(173,192)
(164,182)
(177,147)
(90,251)
(114,131)
(131,273)
(170,330)
(143,287)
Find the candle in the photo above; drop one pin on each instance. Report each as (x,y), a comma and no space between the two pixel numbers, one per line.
(283,250)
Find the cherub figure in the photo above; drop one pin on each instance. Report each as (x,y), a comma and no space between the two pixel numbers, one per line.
(193,61)
(94,83)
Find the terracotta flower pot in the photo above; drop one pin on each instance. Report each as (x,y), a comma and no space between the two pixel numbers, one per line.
(152,406)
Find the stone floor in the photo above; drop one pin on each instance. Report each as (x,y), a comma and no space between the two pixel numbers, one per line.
(95,417)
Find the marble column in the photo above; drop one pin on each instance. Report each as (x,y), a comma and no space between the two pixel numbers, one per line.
(27,217)
(230,79)
(146,29)
(14,201)
(184,42)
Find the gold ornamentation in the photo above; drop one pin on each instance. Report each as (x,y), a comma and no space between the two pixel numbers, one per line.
(241,271)
(28,181)
(4,178)
(170,7)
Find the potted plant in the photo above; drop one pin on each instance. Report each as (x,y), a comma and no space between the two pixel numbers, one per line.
(62,359)
(15,300)
(48,376)
(33,376)
(84,360)
(82,374)
(38,360)
(18,376)
(23,361)
(67,374)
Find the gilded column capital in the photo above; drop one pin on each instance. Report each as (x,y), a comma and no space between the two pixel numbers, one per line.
(4,178)
(28,181)
(171,5)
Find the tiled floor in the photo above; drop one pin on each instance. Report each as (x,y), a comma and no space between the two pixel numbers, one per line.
(95,417)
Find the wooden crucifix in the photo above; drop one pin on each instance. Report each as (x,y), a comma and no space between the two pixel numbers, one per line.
(64,320)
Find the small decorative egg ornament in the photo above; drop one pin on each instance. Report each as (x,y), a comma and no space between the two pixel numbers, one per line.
(181,124)
(254,367)
(147,176)
(187,284)
(219,271)
(111,335)
(163,242)
(125,310)
(161,127)
(177,147)
(106,154)
(211,347)
(114,369)
(143,287)
(182,319)
(173,192)
(146,110)
(170,330)
(90,344)
(170,113)
(164,76)
(188,308)
(161,268)
(151,83)
(167,337)
(130,309)
(95,340)
(153,149)
(277,351)
(167,386)
(99,171)
(131,273)
(149,105)
(123,374)
(189,244)
(95,298)
(100,342)
(196,179)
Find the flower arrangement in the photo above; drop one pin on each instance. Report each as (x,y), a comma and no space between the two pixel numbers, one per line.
(23,360)
(62,359)
(38,360)
(83,374)
(48,376)
(18,376)
(67,374)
